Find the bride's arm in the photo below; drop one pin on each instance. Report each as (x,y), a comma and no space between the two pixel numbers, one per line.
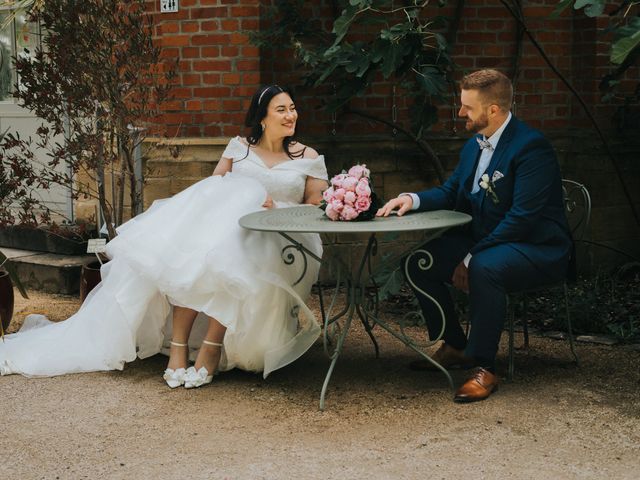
(224,166)
(313,190)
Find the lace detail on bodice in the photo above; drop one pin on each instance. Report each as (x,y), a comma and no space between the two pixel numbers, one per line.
(285,182)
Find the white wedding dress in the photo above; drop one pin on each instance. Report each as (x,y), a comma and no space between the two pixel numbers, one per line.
(190,251)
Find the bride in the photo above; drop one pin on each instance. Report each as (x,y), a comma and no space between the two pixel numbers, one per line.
(185,275)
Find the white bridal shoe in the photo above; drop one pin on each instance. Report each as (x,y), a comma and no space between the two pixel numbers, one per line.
(197,378)
(175,378)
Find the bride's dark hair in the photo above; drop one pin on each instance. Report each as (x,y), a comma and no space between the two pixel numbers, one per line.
(258,110)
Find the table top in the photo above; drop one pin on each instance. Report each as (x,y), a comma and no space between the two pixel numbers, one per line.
(311,219)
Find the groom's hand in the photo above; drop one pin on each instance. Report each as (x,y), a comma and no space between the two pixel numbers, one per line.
(403,203)
(460,277)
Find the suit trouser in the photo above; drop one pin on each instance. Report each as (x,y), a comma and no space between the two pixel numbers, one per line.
(493,273)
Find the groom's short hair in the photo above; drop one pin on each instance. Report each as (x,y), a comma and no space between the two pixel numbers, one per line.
(493,86)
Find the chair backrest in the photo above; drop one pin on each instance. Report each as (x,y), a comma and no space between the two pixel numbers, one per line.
(577,206)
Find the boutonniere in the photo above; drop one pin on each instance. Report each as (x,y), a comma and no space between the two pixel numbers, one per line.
(489,186)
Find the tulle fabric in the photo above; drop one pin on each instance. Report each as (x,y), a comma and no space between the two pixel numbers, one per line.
(188,251)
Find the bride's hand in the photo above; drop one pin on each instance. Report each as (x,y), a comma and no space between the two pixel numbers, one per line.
(268,203)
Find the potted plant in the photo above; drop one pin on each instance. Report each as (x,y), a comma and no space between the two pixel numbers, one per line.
(8,277)
(98,83)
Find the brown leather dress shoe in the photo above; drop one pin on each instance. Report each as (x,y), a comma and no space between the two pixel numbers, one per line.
(480,384)
(446,356)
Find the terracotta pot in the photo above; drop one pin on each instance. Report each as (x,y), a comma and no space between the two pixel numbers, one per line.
(6,300)
(89,278)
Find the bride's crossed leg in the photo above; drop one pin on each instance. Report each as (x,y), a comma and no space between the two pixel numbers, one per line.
(208,357)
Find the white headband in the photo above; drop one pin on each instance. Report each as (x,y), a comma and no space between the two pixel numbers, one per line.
(266,90)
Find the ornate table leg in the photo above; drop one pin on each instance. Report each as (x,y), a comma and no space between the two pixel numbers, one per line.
(356,296)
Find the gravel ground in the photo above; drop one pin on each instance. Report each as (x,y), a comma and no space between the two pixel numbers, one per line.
(554,421)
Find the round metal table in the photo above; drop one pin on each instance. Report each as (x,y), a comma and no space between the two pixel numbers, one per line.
(360,289)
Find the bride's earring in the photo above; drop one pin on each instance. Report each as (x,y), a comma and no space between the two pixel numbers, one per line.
(263,126)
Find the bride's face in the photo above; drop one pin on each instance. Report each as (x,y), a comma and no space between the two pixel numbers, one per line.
(281,117)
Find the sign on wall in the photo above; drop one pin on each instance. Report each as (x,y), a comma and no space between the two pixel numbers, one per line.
(168,6)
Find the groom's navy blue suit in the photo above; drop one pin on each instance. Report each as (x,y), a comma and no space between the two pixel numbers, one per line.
(520,242)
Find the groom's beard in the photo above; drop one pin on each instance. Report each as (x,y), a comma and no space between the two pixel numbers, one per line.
(478,124)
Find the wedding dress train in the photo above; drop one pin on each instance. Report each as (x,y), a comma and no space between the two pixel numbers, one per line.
(190,251)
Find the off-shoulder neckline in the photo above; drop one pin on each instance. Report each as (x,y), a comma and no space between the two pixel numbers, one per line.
(264,164)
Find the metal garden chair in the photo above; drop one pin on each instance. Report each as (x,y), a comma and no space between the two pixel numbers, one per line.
(577,202)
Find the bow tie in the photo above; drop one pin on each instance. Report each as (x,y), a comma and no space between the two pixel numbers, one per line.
(484,144)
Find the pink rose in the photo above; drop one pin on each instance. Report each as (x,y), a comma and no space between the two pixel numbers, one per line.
(349,198)
(337,180)
(339,194)
(359,171)
(349,184)
(363,187)
(363,204)
(337,205)
(327,195)
(331,213)
(348,213)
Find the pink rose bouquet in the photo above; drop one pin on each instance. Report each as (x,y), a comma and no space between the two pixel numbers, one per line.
(350,196)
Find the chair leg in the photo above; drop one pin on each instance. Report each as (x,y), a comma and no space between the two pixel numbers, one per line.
(511,319)
(525,326)
(569,329)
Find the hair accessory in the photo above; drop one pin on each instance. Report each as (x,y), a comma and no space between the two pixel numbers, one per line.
(266,90)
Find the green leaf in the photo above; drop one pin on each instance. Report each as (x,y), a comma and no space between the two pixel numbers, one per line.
(341,25)
(621,49)
(592,8)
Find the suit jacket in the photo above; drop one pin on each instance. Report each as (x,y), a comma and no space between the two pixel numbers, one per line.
(529,214)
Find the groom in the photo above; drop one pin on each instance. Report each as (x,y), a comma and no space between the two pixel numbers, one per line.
(508,180)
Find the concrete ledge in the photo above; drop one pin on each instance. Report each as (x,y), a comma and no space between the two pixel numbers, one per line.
(48,272)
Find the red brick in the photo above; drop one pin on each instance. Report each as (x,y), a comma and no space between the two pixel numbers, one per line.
(190,27)
(193,105)
(210,39)
(211,105)
(210,25)
(250,78)
(177,118)
(244,65)
(249,51)
(170,53)
(231,79)
(168,27)
(208,65)
(174,40)
(210,52)
(215,92)
(229,51)
(245,11)
(191,79)
(231,105)
(181,92)
(249,24)
(171,105)
(212,131)
(192,130)
(233,130)
(244,91)
(209,13)
(239,39)
(229,25)
(211,79)
(190,52)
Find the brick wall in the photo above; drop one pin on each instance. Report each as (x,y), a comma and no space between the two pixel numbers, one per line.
(219,69)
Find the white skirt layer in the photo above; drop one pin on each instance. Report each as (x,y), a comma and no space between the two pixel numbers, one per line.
(189,251)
